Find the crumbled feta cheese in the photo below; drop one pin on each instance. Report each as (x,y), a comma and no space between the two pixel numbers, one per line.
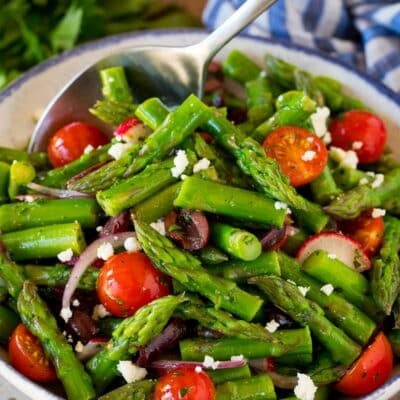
(29,199)
(204,163)
(357,145)
(117,150)
(99,228)
(305,388)
(99,311)
(183,177)
(66,255)
(344,158)
(308,155)
(132,245)
(159,226)
(272,326)
(70,339)
(327,138)
(76,303)
(303,290)
(210,363)
(378,212)
(237,358)
(130,371)
(88,149)
(327,289)
(134,134)
(180,163)
(363,181)
(79,347)
(280,205)
(198,369)
(90,349)
(319,120)
(378,180)
(332,256)
(105,251)
(66,313)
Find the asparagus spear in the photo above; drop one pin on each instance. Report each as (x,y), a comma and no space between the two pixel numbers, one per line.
(239,67)
(324,188)
(21,173)
(187,270)
(211,255)
(177,126)
(4,177)
(8,322)
(287,297)
(229,374)
(112,112)
(131,333)
(139,390)
(38,319)
(351,204)
(385,279)
(260,100)
(115,87)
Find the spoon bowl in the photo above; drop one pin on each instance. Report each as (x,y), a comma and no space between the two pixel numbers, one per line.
(170,73)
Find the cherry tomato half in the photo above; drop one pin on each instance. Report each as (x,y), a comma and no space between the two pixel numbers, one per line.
(128,281)
(370,371)
(184,384)
(361,131)
(69,142)
(366,230)
(27,356)
(300,154)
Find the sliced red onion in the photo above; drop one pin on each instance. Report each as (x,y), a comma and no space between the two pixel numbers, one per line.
(172,364)
(262,364)
(57,193)
(85,260)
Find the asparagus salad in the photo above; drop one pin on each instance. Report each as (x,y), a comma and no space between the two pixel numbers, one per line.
(240,246)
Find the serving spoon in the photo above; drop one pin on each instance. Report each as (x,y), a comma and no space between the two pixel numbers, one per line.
(170,73)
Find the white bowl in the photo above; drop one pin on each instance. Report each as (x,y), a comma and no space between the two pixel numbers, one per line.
(21,101)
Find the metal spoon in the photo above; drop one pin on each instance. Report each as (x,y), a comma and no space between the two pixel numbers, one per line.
(170,73)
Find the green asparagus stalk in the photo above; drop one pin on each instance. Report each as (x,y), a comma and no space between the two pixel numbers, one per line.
(260,100)
(21,173)
(303,81)
(114,85)
(256,387)
(230,201)
(57,275)
(307,313)
(131,333)
(239,67)
(112,112)
(139,390)
(38,159)
(44,241)
(345,315)
(351,204)
(212,256)
(348,178)
(291,346)
(4,177)
(324,188)
(8,322)
(11,273)
(152,112)
(236,242)
(3,290)
(187,270)
(229,374)
(385,278)
(42,212)
(38,319)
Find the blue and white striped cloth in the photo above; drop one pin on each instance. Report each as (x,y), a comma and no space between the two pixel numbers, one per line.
(365,33)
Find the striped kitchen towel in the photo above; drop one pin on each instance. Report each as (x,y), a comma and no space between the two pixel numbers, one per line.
(365,33)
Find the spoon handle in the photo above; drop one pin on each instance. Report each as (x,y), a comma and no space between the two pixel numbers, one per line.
(247,13)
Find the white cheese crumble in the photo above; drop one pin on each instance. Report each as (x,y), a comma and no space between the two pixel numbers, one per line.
(134,134)
(76,303)
(272,326)
(79,347)
(105,251)
(319,120)
(280,205)
(378,212)
(66,255)
(308,155)
(363,181)
(344,158)
(99,228)
(180,163)
(66,314)
(327,289)
(99,311)
(332,256)
(210,363)
(89,148)
(305,388)
(198,369)
(303,290)
(378,180)
(131,244)
(117,150)
(159,226)
(357,145)
(130,371)
(237,358)
(204,163)
(327,138)
(29,199)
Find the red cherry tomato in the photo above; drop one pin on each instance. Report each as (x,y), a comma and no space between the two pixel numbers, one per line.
(370,371)
(361,131)
(69,142)
(184,384)
(366,230)
(301,155)
(27,356)
(128,281)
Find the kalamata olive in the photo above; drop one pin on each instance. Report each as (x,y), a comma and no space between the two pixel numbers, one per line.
(274,238)
(208,333)
(189,228)
(238,115)
(81,326)
(282,319)
(120,223)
